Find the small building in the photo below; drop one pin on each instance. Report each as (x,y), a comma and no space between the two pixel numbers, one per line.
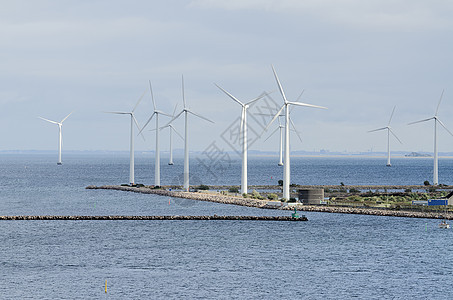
(436,202)
(420,202)
(311,196)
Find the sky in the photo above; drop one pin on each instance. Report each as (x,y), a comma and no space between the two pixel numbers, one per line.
(357,58)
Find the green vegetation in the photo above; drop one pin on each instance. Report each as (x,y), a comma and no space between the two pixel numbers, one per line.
(426,182)
(256,195)
(280,182)
(272,196)
(202,187)
(233,189)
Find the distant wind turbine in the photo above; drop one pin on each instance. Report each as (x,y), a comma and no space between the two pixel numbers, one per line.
(243,133)
(389,130)
(436,120)
(286,106)
(60,124)
(172,129)
(186,112)
(157,152)
(131,154)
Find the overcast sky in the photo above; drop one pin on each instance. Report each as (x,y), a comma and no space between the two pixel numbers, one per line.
(358,58)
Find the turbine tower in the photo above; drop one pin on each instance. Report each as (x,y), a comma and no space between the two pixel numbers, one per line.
(157,152)
(286,105)
(131,154)
(243,133)
(436,120)
(186,112)
(171,130)
(389,130)
(60,124)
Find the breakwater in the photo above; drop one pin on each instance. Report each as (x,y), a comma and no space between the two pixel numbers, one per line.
(159,218)
(224,199)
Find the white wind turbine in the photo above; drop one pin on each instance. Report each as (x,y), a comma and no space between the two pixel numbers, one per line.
(157,152)
(436,120)
(286,106)
(186,112)
(243,133)
(280,128)
(60,124)
(171,130)
(389,130)
(131,154)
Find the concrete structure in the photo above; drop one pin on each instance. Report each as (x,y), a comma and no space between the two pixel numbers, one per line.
(311,196)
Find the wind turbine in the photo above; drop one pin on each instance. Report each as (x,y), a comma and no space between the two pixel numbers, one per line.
(60,124)
(436,120)
(131,154)
(286,106)
(172,129)
(157,152)
(281,127)
(243,133)
(186,112)
(389,130)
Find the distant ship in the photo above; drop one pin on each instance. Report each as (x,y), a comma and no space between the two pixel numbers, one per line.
(416,154)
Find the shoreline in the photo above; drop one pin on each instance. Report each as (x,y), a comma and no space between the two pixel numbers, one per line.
(266,204)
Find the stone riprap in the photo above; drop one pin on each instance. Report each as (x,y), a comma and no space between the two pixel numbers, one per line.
(264,203)
(139,218)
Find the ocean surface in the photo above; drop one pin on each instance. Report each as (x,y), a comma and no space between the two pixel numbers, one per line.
(332,256)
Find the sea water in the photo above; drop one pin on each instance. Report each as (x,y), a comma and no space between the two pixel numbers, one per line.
(332,256)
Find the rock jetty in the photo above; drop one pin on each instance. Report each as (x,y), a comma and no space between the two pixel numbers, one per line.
(159,218)
(218,198)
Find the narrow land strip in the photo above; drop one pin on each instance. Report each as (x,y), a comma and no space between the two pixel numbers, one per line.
(218,198)
(158,218)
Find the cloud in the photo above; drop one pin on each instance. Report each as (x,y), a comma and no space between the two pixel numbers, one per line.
(384,15)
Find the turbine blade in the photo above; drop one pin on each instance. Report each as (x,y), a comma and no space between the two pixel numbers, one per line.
(305,104)
(229,95)
(138,127)
(377,129)
(421,121)
(295,130)
(300,96)
(48,120)
(174,130)
(391,116)
(183,97)
(391,131)
(174,111)
(279,85)
(117,112)
(438,104)
(152,95)
(445,127)
(162,113)
(200,116)
(256,99)
(273,119)
(174,118)
(273,132)
(147,122)
(66,117)
(139,99)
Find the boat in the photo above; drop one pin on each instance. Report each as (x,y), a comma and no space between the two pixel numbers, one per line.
(444,225)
